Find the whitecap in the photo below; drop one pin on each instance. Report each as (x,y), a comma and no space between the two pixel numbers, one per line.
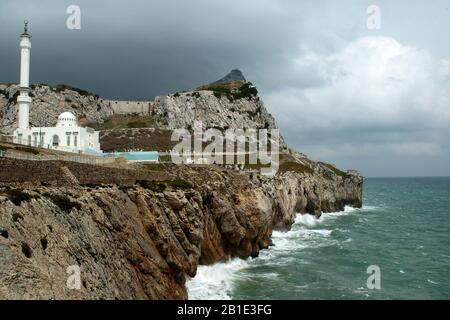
(369,208)
(325,233)
(307,220)
(311,221)
(214,282)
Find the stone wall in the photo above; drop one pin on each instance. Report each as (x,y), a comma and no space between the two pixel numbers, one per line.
(50,172)
(130,107)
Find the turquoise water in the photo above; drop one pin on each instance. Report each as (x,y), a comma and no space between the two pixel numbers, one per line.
(138,156)
(403,228)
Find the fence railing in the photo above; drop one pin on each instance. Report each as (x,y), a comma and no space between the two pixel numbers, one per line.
(51,157)
(7,139)
(74,157)
(33,143)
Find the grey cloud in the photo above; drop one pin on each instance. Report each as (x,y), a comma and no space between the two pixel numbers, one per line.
(139,49)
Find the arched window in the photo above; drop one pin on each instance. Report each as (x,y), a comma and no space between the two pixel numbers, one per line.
(55,140)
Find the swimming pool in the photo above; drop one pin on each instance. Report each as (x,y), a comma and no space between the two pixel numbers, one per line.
(141,156)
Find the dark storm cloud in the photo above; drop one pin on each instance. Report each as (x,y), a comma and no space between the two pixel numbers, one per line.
(311,61)
(138,49)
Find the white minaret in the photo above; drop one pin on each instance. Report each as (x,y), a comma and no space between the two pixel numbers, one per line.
(24,100)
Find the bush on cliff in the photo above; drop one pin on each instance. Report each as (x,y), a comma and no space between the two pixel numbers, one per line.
(234,90)
(295,167)
(179,183)
(160,186)
(61,87)
(334,169)
(154,186)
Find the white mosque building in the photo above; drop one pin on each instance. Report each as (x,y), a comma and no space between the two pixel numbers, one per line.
(66,135)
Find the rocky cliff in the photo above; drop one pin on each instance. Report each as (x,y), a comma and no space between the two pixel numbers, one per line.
(48,103)
(215,105)
(230,102)
(140,241)
(138,232)
(215,111)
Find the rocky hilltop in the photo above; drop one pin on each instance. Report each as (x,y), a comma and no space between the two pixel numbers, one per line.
(138,231)
(214,110)
(221,105)
(48,103)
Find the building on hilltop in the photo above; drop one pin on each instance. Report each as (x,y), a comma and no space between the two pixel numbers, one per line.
(67,135)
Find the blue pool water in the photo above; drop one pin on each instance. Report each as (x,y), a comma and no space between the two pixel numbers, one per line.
(138,156)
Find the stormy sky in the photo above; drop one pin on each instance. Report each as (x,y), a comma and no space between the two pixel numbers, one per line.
(373,100)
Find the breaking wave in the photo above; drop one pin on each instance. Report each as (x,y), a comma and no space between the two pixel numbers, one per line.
(216,282)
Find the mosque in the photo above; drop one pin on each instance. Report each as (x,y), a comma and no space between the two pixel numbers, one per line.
(66,135)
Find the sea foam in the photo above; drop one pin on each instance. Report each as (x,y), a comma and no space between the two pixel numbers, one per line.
(217,281)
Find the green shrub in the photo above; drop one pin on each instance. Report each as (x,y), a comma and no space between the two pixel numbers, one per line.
(136,124)
(61,87)
(179,183)
(295,167)
(152,185)
(232,90)
(334,169)
(165,158)
(153,166)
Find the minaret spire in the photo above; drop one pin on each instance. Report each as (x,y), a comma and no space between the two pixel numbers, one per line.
(24,99)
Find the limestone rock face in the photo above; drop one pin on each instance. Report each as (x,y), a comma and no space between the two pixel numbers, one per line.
(49,103)
(136,243)
(182,110)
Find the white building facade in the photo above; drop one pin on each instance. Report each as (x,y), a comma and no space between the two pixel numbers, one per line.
(66,135)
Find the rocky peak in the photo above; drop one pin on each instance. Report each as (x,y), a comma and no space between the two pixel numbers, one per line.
(234,75)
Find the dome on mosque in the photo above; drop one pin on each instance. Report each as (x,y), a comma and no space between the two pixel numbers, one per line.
(67,119)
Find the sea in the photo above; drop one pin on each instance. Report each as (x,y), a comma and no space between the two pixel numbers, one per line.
(396,247)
